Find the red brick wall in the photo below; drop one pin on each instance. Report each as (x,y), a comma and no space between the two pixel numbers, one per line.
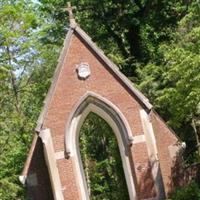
(41,189)
(164,138)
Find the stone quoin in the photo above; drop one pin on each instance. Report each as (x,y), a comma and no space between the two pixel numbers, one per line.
(86,81)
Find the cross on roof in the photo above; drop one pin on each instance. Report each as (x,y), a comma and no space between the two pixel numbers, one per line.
(70,9)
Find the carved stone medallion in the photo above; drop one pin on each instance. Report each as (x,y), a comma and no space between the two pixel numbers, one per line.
(83,70)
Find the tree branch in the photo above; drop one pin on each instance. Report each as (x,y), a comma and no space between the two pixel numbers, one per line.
(13,81)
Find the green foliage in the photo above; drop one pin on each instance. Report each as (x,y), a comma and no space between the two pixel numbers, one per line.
(191,191)
(101,160)
(128,31)
(172,80)
(24,80)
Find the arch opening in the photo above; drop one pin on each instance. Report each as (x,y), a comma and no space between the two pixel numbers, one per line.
(92,102)
(101,160)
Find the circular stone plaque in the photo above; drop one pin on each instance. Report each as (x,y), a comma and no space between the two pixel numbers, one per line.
(83,70)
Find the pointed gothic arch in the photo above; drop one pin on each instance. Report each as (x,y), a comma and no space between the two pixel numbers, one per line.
(92,102)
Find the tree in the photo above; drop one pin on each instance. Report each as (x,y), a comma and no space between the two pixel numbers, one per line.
(173,80)
(128,31)
(24,80)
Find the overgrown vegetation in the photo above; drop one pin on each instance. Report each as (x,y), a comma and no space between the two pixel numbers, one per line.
(24,79)
(191,191)
(101,160)
(155,43)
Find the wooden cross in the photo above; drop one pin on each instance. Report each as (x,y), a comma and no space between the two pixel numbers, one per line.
(70,9)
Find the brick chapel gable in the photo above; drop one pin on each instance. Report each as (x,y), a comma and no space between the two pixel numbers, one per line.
(147,146)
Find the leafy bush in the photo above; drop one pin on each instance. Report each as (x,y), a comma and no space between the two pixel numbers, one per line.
(189,192)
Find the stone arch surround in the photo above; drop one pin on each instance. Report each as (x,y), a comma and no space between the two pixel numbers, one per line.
(92,102)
